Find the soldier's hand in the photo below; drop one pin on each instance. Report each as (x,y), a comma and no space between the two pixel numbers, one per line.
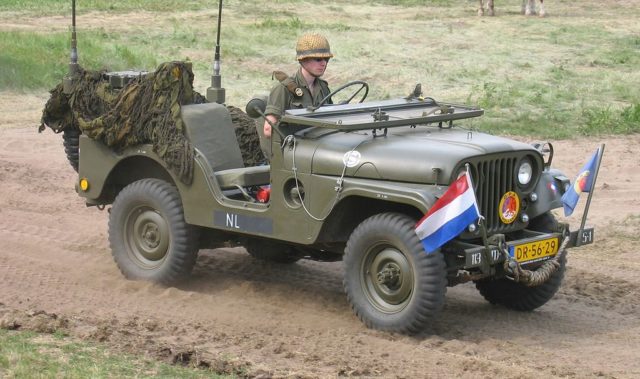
(267,129)
(269,121)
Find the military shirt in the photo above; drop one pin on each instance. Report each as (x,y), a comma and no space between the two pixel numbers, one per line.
(281,98)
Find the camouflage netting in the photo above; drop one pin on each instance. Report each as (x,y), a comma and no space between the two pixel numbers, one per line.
(146,110)
(247,137)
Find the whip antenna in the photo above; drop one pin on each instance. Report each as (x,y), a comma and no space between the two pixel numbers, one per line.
(215,93)
(74,42)
(74,68)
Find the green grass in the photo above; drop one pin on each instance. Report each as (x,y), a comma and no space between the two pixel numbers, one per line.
(31,355)
(36,61)
(64,6)
(572,73)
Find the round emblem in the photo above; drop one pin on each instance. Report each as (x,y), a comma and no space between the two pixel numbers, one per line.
(581,182)
(351,158)
(509,207)
(298,91)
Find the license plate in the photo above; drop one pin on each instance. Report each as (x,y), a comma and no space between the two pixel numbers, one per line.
(535,251)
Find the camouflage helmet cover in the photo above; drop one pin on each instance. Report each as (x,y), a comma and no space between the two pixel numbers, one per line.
(313,45)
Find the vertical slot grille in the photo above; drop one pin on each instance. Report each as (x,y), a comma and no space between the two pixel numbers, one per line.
(495,177)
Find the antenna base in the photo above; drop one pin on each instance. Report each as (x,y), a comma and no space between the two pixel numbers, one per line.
(69,79)
(215,93)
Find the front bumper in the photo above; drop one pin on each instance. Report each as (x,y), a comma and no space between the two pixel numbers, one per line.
(473,257)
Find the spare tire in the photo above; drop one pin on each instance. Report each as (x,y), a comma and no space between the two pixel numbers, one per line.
(71,142)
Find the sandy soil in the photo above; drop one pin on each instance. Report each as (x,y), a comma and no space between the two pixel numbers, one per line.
(238,315)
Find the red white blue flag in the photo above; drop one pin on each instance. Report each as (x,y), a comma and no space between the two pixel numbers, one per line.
(583,183)
(449,216)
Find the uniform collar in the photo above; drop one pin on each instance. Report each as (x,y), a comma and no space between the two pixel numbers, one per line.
(299,78)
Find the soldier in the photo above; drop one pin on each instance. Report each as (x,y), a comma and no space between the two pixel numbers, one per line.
(305,88)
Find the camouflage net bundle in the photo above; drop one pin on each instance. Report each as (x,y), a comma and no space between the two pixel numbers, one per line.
(146,110)
(247,136)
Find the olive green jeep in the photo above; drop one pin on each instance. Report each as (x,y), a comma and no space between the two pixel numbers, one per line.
(343,182)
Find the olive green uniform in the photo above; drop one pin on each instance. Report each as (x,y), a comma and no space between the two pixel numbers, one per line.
(293,93)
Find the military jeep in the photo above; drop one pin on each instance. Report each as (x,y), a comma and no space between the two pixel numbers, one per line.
(343,182)
(340,182)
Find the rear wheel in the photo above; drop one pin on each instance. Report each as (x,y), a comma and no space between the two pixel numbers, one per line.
(149,237)
(518,296)
(391,283)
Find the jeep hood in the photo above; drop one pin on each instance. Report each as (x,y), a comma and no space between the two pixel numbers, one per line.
(405,154)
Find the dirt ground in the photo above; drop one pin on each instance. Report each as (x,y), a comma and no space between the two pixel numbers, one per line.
(238,315)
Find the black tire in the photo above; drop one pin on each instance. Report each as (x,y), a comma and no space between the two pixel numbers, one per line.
(518,296)
(71,143)
(265,250)
(148,235)
(391,283)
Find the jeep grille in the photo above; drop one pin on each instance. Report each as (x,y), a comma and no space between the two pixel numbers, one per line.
(494,178)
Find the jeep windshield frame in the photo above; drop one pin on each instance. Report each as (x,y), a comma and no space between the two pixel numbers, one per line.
(381,114)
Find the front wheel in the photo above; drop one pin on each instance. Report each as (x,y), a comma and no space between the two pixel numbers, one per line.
(391,282)
(149,237)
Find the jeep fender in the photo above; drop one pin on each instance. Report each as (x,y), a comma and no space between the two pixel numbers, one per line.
(106,172)
(549,192)
(361,198)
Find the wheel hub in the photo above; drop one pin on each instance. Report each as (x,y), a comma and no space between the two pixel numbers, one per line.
(390,275)
(388,279)
(148,236)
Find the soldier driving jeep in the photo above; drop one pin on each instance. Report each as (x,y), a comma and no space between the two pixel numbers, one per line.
(305,88)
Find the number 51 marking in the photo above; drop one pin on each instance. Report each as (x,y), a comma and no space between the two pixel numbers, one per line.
(587,236)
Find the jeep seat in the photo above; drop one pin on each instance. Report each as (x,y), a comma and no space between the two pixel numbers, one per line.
(209,128)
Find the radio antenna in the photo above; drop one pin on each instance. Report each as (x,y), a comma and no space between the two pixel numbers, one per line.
(74,68)
(215,93)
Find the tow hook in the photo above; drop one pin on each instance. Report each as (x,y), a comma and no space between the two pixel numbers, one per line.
(535,278)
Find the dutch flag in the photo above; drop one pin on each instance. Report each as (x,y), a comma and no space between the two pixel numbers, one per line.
(449,216)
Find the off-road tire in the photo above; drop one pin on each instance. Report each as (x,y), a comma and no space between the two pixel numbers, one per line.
(414,293)
(71,143)
(518,296)
(149,237)
(272,251)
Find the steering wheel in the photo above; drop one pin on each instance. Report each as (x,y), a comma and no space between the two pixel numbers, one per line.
(363,85)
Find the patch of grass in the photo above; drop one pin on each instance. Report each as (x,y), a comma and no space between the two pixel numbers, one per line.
(31,60)
(30,355)
(608,120)
(288,24)
(64,6)
(415,3)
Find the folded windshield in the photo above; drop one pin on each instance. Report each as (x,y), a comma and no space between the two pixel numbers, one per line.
(381,114)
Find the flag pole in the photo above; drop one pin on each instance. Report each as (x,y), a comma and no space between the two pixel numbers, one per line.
(485,267)
(593,187)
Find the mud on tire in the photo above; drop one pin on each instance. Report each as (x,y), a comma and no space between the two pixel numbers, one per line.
(391,283)
(149,237)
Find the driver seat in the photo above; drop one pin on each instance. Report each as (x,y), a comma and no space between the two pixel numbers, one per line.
(209,128)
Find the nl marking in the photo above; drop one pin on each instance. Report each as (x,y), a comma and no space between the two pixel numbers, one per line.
(232,221)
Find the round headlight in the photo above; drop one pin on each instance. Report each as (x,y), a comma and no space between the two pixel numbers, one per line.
(525,172)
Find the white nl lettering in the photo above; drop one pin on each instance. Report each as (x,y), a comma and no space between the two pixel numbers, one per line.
(232,221)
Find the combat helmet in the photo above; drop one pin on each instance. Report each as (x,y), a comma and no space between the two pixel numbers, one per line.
(313,45)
